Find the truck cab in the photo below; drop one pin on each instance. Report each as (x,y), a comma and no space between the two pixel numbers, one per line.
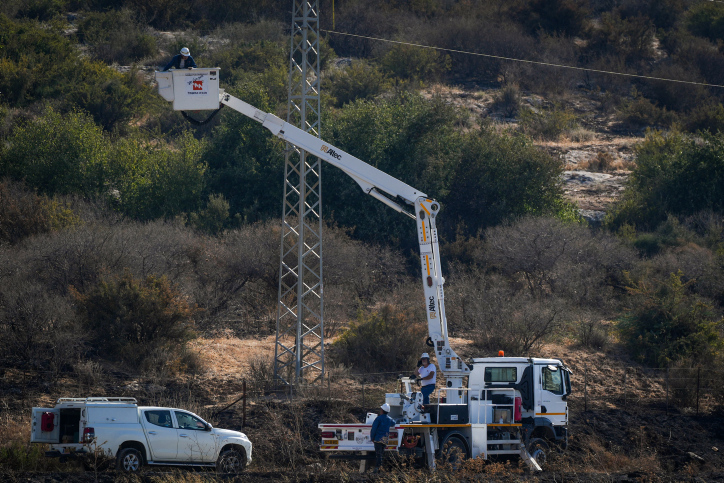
(542,386)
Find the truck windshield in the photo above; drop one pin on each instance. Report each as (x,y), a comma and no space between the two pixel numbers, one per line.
(553,380)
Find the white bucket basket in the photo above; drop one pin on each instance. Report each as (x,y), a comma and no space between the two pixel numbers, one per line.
(190,89)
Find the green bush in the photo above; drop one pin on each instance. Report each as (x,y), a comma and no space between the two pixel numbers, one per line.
(674,174)
(358,81)
(628,39)
(23,213)
(499,178)
(116,36)
(136,321)
(158,180)
(40,63)
(58,154)
(547,124)
(381,342)
(706,20)
(213,218)
(706,117)
(641,112)
(415,63)
(667,324)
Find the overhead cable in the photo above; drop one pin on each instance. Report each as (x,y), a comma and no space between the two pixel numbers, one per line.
(536,62)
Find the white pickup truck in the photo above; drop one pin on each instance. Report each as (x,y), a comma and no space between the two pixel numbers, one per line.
(137,435)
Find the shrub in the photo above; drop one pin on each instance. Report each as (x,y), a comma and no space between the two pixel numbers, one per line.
(58,154)
(667,324)
(358,81)
(499,178)
(508,100)
(552,16)
(415,63)
(156,180)
(706,20)
(629,39)
(641,112)
(593,334)
(547,124)
(23,213)
(706,117)
(36,326)
(213,218)
(381,342)
(115,36)
(674,174)
(136,321)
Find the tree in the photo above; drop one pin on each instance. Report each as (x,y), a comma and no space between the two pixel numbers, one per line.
(499,178)
(667,324)
(135,321)
(58,154)
(674,175)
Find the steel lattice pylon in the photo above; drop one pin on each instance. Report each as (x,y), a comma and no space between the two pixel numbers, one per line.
(299,348)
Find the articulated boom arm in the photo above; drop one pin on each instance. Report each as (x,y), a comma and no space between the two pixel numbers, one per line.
(375,182)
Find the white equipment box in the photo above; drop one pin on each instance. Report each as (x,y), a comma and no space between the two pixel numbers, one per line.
(190,89)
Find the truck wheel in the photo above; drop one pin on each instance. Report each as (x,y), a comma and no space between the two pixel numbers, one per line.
(129,461)
(539,449)
(230,461)
(453,452)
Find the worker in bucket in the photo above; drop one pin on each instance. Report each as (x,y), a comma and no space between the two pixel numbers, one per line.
(182,60)
(428,374)
(380,433)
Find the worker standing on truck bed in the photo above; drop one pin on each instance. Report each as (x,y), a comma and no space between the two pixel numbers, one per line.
(181,61)
(380,433)
(428,374)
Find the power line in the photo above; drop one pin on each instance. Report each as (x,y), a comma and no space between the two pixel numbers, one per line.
(526,61)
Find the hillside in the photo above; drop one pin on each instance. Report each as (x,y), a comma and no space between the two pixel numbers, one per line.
(579,164)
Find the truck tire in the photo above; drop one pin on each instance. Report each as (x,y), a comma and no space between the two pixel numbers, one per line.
(129,460)
(231,461)
(538,448)
(453,452)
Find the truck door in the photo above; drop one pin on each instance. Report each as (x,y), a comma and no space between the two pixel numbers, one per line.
(196,443)
(161,435)
(553,389)
(45,426)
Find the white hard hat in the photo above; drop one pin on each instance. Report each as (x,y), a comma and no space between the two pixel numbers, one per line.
(425,356)
(385,407)
(185,51)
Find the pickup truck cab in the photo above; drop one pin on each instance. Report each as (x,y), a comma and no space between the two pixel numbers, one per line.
(137,435)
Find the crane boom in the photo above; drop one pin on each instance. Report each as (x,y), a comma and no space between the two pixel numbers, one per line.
(377,183)
(198,89)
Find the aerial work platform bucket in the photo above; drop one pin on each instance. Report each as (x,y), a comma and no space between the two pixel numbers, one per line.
(190,89)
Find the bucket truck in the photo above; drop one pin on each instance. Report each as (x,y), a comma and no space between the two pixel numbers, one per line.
(490,406)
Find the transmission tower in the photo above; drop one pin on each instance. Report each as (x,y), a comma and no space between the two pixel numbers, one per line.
(299,349)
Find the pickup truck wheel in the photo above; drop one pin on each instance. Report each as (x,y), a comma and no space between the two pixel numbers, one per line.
(129,461)
(230,461)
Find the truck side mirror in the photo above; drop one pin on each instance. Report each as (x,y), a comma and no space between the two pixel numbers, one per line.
(209,427)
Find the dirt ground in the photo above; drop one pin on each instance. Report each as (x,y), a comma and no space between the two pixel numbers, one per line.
(625,435)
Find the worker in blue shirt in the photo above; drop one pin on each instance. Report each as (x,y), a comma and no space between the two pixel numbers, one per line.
(181,61)
(380,433)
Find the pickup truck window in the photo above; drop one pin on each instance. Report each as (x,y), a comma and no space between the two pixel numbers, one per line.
(187,421)
(159,418)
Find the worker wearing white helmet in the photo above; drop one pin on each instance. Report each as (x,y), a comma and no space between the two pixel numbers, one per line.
(181,61)
(380,433)
(428,374)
